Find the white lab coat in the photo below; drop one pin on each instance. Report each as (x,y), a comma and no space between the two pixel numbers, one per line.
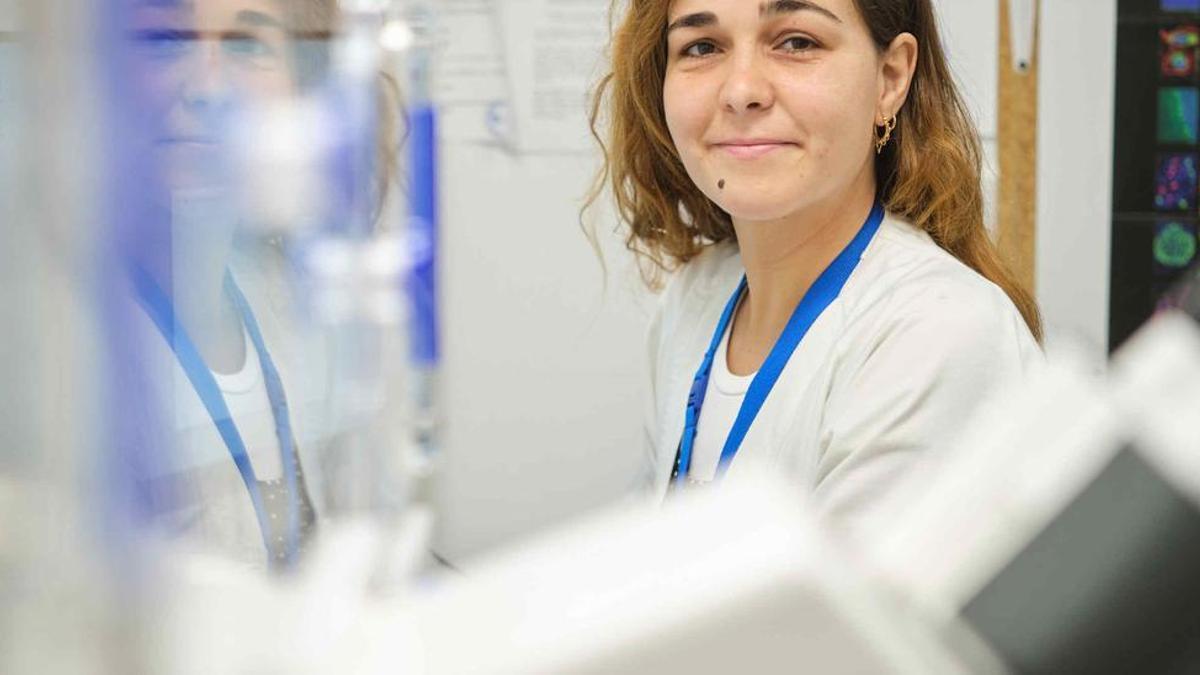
(200,499)
(893,369)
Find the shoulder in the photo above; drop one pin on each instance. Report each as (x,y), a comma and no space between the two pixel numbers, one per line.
(702,274)
(907,285)
(702,283)
(690,306)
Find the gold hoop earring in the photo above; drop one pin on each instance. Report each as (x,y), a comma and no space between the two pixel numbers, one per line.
(881,140)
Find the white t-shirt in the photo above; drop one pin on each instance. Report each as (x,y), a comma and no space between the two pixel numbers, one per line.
(722,400)
(893,369)
(245,394)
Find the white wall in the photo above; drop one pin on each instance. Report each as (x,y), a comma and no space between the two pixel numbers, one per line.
(9,100)
(1075,137)
(543,368)
(971,34)
(9,21)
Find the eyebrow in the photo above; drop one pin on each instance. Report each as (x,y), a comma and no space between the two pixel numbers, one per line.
(778,7)
(765,10)
(697,20)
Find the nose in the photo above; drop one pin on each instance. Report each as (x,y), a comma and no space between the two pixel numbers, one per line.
(747,87)
(206,89)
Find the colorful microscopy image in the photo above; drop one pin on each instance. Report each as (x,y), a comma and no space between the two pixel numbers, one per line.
(1178,114)
(1181,5)
(1180,37)
(1179,63)
(1174,245)
(1179,51)
(1175,182)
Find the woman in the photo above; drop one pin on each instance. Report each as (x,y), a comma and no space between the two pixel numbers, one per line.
(240,388)
(811,169)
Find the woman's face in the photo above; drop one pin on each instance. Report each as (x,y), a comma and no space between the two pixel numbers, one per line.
(196,64)
(774,101)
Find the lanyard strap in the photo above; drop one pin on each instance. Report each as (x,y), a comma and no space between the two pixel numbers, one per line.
(161,311)
(822,293)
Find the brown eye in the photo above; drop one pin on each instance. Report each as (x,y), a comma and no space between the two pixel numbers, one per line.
(797,43)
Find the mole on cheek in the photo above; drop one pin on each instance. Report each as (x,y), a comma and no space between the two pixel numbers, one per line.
(721,184)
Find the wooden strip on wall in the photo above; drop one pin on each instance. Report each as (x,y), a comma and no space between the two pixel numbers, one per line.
(1017,141)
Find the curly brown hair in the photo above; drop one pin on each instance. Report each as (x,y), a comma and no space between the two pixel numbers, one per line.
(930,174)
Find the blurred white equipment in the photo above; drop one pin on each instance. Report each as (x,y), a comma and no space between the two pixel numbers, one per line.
(1067,534)
(725,581)
(737,580)
(1063,537)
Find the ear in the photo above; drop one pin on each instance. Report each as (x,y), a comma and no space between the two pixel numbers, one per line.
(896,68)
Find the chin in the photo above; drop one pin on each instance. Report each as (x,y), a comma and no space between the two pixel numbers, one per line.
(755,206)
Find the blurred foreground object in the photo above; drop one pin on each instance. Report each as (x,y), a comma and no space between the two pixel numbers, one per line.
(1062,537)
(1067,533)
(717,582)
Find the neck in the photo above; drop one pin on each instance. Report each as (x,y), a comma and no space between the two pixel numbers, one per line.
(783,258)
(190,268)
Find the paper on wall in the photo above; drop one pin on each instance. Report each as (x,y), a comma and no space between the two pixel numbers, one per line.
(471,84)
(554,50)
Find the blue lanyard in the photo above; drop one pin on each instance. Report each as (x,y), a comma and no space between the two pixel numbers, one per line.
(160,310)
(823,292)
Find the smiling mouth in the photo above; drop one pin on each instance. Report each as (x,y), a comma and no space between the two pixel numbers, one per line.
(752,150)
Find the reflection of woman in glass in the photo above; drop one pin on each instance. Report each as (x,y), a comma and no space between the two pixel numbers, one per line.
(242,389)
(839,309)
